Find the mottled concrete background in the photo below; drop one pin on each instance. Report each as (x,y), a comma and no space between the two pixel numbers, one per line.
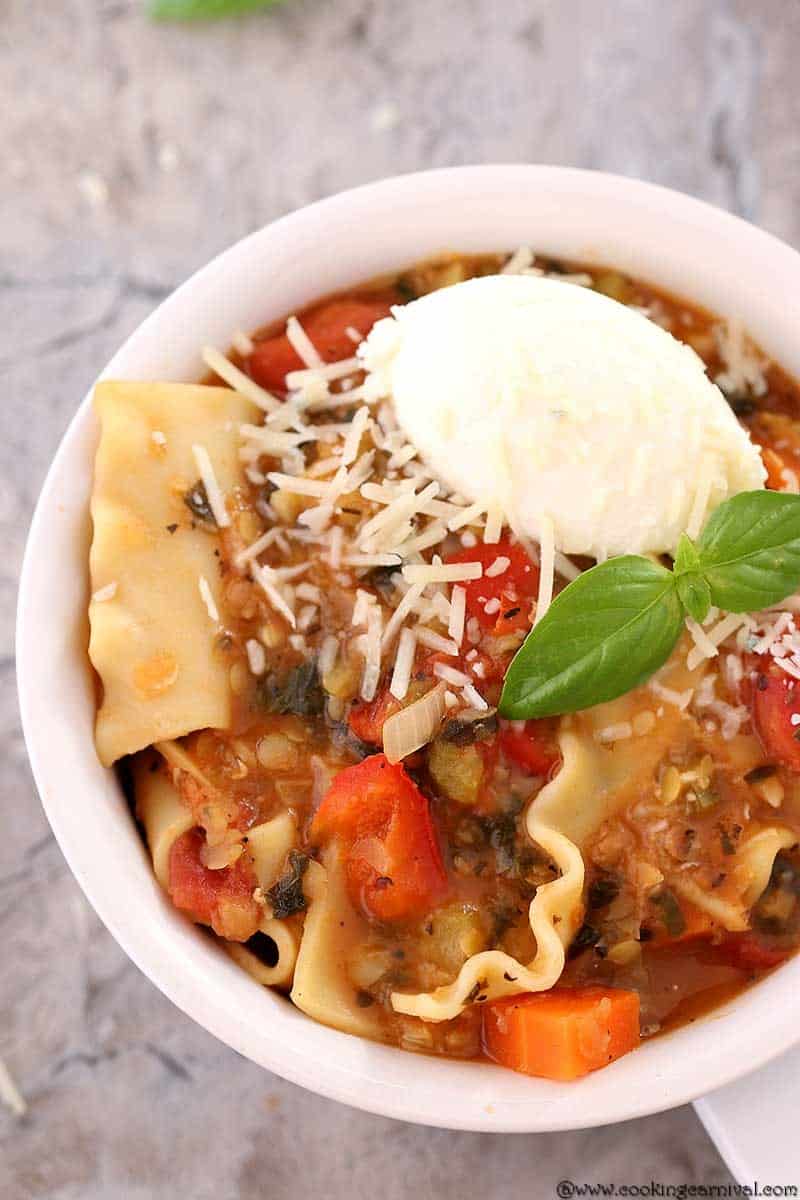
(129,154)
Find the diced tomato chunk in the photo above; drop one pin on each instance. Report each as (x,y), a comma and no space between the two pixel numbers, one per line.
(749,953)
(533,748)
(561,1034)
(327,328)
(775,699)
(512,590)
(393,864)
(222,899)
(367,717)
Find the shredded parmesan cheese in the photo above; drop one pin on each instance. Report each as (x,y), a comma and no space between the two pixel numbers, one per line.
(208,599)
(546,567)
(222,366)
(216,500)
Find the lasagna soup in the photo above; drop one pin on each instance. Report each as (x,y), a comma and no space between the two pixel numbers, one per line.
(301,633)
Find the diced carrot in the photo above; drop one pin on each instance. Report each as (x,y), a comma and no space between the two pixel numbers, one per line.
(562,1034)
(775,467)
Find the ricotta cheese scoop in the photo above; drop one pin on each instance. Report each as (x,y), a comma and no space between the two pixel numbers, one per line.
(565,409)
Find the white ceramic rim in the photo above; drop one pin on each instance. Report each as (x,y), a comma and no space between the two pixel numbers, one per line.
(671,239)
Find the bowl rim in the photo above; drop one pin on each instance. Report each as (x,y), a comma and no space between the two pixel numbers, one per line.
(361,1080)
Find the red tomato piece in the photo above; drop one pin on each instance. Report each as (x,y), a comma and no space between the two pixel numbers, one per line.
(327,327)
(366,718)
(393,864)
(774,701)
(749,953)
(514,588)
(533,748)
(222,899)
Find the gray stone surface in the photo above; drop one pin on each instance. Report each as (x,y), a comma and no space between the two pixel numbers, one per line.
(130,153)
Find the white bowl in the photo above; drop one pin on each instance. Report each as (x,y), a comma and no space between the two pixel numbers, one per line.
(702,254)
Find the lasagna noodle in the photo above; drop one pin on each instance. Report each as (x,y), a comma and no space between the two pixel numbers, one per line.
(286,946)
(166,818)
(322,986)
(152,640)
(594,782)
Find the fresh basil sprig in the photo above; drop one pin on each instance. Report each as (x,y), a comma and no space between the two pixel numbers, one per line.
(201,10)
(617,623)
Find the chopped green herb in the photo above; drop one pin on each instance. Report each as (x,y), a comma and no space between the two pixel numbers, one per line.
(196,500)
(298,692)
(670,912)
(463,733)
(602,891)
(286,896)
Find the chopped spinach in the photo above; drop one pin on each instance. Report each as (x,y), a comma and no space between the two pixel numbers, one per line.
(586,937)
(298,691)
(670,912)
(286,896)
(463,733)
(196,500)
(602,891)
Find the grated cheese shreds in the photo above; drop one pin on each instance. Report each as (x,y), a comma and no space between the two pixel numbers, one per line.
(372,653)
(208,599)
(615,733)
(267,580)
(256,656)
(458,612)
(546,567)
(498,567)
(743,369)
(717,634)
(468,516)
(298,485)
(242,343)
(372,560)
(680,700)
(105,593)
(358,427)
(222,366)
(409,602)
(451,675)
(10,1094)
(702,641)
(302,344)
(361,607)
(297,380)
(520,261)
(435,641)
(473,697)
(494,524)
(216,500)
(439,572)
(403,663)
(354,335)
(257,547)
(328,653)
(565,566)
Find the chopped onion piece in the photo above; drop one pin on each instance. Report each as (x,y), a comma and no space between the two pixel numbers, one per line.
(414,726)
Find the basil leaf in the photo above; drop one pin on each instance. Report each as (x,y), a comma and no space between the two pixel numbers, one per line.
(749,552)
(606,633)
(695,594)
(191,10)
(686,556)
